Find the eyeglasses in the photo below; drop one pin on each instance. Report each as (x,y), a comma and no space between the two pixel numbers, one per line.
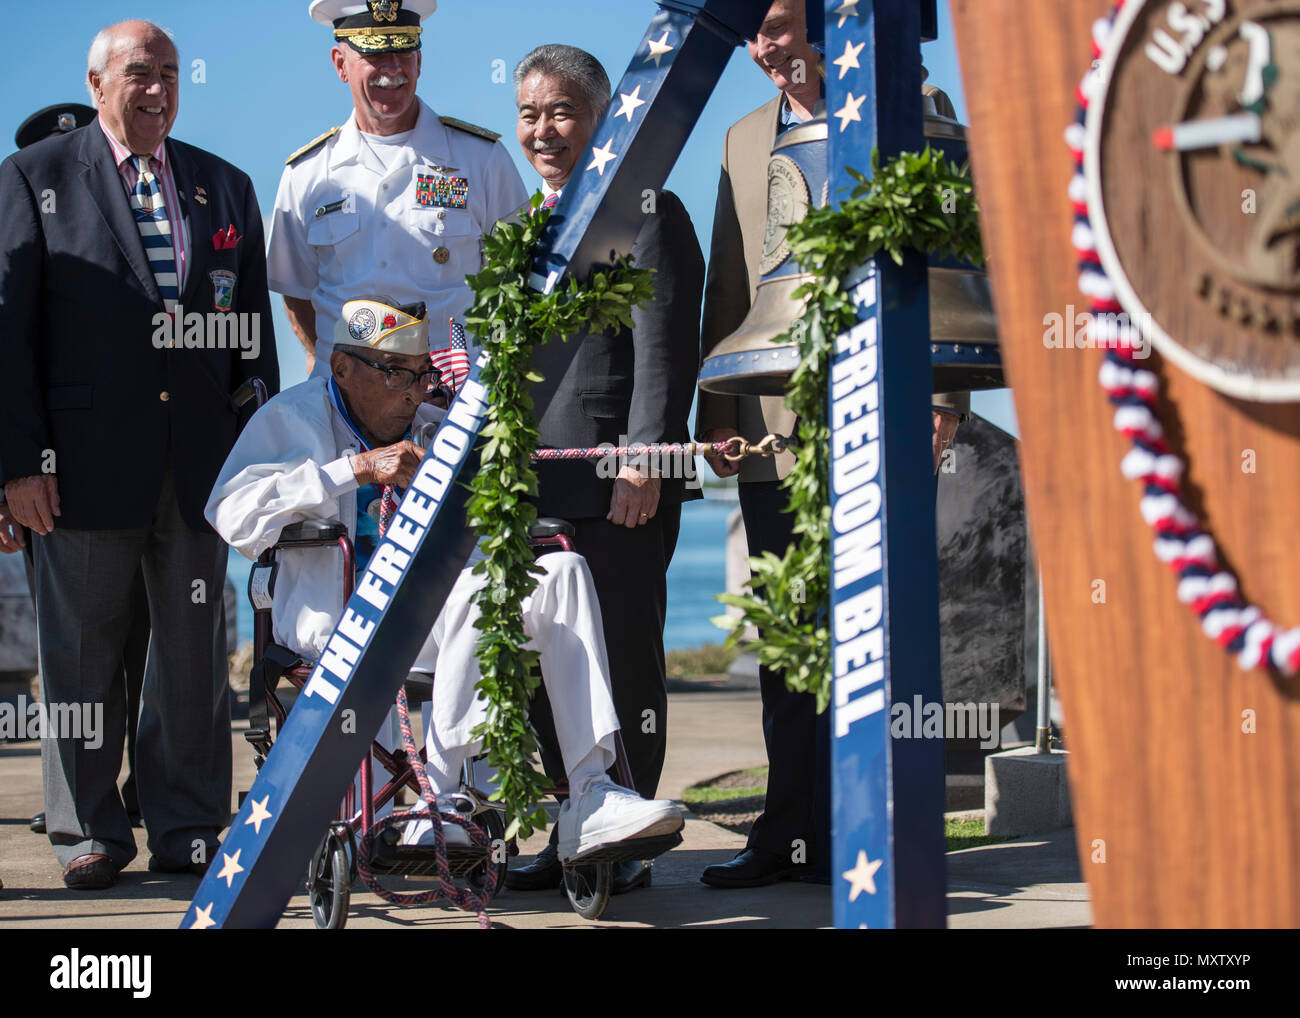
(400,379)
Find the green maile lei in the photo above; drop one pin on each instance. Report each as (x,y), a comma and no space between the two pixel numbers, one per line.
(511,320)
(916,200)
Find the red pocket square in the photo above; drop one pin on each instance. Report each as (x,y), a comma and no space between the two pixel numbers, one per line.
(223,240)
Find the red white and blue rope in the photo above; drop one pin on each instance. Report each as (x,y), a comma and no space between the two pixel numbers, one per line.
(1182,541)
(658,449)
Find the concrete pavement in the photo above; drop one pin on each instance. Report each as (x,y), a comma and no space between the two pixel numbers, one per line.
(1030,882)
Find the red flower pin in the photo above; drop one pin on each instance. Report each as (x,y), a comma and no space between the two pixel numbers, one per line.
(224,240)
(389,321)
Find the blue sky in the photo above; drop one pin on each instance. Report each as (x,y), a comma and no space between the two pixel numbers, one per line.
(268,86)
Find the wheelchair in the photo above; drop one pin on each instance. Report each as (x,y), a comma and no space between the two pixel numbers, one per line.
(334,866)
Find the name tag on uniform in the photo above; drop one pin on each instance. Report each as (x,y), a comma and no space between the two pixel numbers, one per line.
(438,191)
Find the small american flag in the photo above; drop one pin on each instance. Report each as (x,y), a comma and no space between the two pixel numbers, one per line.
(453,362)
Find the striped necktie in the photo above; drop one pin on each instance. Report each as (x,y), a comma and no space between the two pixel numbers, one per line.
(551,199)
(155,232)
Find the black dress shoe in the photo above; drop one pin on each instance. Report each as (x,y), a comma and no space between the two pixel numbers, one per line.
(38,823)
(542,874)
(628,876)
(90,872)
(196,869)
(751,869)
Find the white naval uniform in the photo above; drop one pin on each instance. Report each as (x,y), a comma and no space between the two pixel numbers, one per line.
(373,235)
(290,464)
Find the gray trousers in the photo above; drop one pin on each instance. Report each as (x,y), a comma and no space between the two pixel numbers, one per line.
(183,755)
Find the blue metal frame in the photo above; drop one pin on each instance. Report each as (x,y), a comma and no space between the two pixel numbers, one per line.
(263,859)
(887,794)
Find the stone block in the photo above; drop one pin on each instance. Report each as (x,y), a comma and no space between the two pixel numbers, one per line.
(1025,792)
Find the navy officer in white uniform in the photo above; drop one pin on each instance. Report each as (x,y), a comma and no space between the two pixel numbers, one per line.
(394,200)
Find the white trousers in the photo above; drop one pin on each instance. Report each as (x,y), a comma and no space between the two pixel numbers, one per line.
(562,620)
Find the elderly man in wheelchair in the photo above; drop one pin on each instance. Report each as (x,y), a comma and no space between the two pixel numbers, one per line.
(325,450)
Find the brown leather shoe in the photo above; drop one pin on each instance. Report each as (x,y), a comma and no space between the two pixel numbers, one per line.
(91,872)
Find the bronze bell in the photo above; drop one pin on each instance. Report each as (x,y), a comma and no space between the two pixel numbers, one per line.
(963,327)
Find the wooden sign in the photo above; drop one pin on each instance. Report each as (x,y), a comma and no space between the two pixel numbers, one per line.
(1184,769)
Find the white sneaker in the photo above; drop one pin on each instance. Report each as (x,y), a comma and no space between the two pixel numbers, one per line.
(605,813)
(420,832)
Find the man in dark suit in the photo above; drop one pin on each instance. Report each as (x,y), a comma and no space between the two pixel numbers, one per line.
(631,387)
(115,417)
(791,838)
(50,122)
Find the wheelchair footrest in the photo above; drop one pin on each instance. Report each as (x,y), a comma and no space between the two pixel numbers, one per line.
(628,851)
(422,860)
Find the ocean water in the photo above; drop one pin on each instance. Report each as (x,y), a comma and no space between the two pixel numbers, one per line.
(697,573)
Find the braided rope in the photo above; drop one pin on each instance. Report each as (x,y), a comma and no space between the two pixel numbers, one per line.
(1182,540)
(461,897)
(733,449)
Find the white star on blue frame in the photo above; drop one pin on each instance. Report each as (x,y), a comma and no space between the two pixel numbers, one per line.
(600,156)
(230,867)
(848,9)
(863,876)
(630,102)
(850,110)
(659,49)
(850,58)
(260,813)
(203,918)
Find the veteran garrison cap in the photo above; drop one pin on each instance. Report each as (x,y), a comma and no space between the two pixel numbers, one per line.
(58,119)
(375,26)
(379,323)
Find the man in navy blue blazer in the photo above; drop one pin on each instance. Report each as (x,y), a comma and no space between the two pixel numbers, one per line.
(133,305)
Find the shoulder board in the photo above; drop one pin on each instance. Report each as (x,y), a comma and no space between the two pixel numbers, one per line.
(313,144)
(474,129)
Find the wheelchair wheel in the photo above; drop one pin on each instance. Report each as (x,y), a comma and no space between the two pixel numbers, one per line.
(329,883)
(588,888)
(494,826)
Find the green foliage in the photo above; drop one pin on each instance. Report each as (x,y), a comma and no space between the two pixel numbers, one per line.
(510,319)
(917,200)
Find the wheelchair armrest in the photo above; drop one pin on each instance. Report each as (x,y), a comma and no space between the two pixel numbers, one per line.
(254,390)
(311,533)
(549,526)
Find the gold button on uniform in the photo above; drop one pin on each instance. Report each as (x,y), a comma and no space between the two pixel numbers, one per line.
(441,255)
(164,396)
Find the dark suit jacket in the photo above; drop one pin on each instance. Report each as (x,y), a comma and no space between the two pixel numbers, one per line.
(637,383)
(79,372)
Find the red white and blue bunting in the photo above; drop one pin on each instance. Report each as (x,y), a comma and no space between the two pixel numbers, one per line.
(1182,541)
